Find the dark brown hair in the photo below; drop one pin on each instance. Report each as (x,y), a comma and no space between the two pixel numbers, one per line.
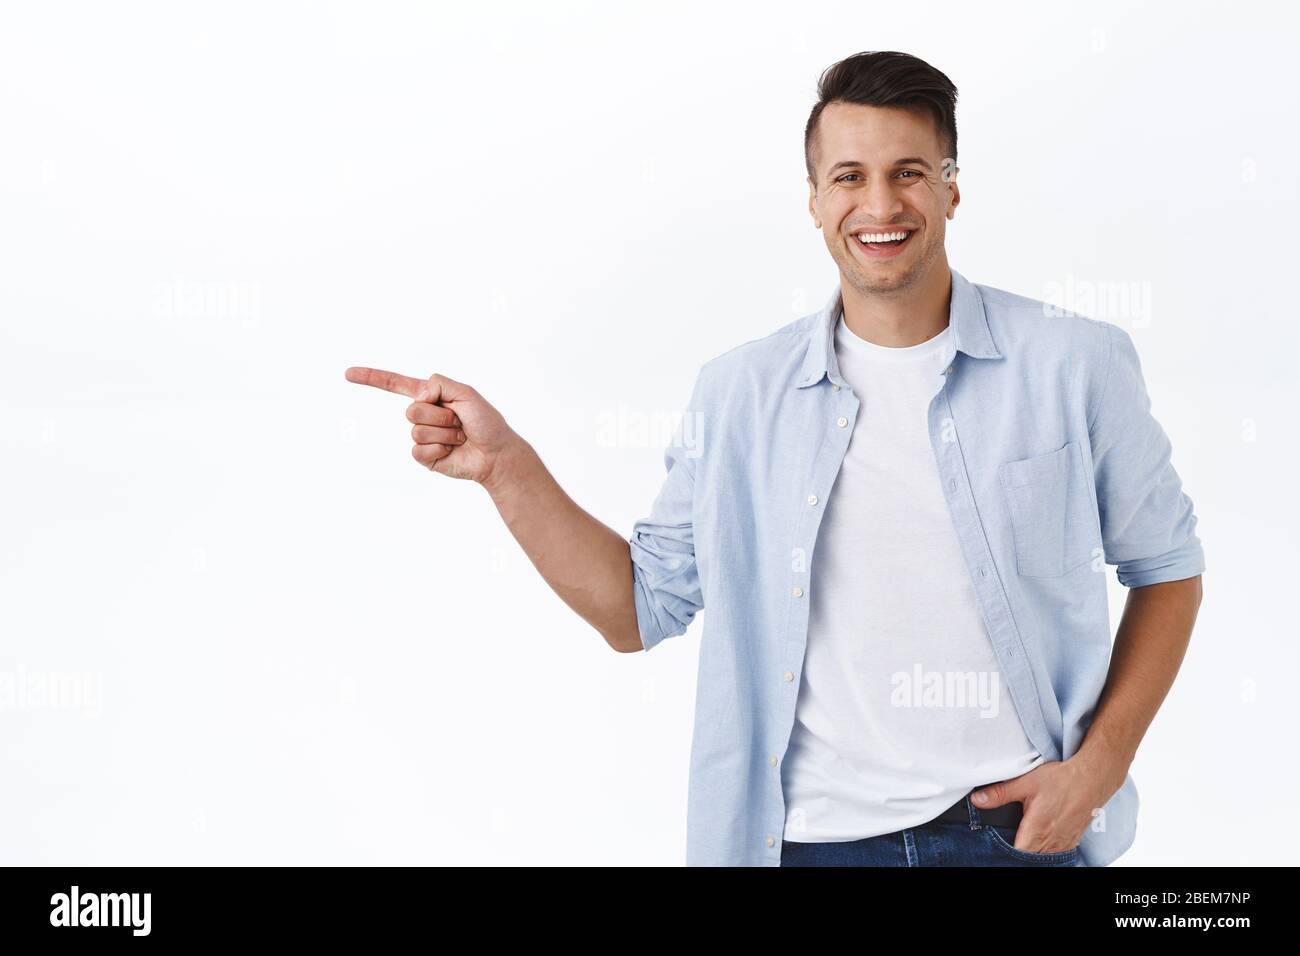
(886,78)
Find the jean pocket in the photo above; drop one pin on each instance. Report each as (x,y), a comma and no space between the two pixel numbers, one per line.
(1052,519)
(1003,843)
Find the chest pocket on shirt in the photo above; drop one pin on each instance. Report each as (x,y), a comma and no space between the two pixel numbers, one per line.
(1050,511)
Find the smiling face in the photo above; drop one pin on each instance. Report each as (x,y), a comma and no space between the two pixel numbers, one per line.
(881,171)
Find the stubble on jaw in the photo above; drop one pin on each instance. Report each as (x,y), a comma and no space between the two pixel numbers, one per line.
(862,281)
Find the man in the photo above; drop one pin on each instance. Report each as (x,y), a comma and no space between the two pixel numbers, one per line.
(899,511)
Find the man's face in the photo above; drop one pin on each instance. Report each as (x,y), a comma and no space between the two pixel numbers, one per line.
(881,170)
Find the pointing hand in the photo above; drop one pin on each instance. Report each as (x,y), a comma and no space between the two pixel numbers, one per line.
(456,432)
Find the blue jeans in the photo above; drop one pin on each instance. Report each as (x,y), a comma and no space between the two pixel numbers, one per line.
(931,844)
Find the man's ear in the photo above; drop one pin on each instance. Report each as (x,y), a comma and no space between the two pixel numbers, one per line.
(812,202)
(956,194)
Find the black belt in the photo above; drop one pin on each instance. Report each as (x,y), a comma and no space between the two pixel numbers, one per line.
(1007,815)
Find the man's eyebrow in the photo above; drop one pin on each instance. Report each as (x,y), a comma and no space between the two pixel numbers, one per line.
(905,161)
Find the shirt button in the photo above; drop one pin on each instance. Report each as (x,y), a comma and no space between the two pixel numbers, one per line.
(771,841)
(788,676)
(772,761)
(841,421)
(812,499)
(835,388)
(797,592)
(952,484)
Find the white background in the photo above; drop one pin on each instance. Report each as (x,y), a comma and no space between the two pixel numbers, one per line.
(302,647)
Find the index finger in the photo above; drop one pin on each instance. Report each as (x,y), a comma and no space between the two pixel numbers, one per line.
(388,381)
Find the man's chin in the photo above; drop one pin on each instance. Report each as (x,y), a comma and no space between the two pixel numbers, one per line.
(885,280)
(892,277)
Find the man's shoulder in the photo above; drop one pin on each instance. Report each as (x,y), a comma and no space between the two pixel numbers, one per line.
(1023,323)
(771,355)
(1049,341)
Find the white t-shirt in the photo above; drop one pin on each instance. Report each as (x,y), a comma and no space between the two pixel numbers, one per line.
(902,708)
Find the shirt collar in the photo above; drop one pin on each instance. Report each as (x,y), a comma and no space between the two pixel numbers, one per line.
(966,317)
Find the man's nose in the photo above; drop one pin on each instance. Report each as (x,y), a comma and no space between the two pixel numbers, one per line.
(880,201)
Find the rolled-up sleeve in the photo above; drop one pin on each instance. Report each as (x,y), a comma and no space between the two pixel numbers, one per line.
(1148,525)
(665,578)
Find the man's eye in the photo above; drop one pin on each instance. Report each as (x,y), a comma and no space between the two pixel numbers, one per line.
(845,176)
(911,171)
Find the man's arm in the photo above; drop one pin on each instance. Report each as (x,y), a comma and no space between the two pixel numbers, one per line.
(587,563)
(1148,531)
(1149,647)
(459,434)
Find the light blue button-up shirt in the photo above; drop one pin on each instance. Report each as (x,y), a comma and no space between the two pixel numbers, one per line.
(1052,466)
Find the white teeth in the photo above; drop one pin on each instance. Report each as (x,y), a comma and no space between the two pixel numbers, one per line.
(882,236)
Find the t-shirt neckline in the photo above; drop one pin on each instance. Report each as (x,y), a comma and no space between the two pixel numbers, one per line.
(886,353)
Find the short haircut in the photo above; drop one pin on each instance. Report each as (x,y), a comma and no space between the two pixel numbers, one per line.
(886,78)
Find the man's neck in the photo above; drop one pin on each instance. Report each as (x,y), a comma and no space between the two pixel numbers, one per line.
(904,318)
